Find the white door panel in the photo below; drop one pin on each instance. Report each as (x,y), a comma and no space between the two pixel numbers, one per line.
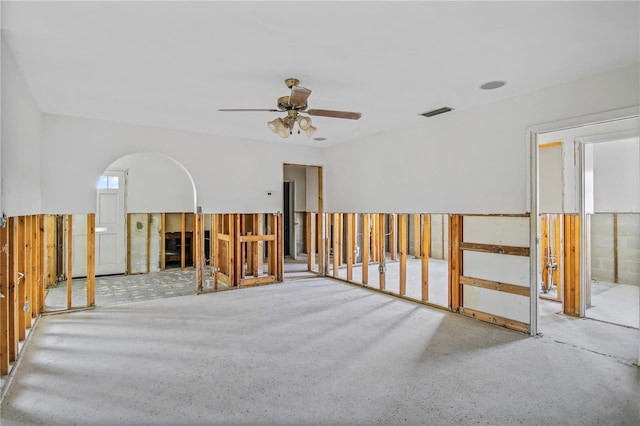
(110,224)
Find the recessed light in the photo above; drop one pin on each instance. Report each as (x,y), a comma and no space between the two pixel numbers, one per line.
(319,139)
(493,85)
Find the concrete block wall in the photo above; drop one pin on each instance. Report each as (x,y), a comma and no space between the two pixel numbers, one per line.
(602,248)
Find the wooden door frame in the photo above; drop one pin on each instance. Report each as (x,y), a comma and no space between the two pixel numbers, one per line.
(321,220)
(531,139)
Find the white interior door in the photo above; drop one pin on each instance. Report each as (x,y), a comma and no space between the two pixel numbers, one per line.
(110,223)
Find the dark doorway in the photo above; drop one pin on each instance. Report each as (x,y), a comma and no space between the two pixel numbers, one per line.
(286,208)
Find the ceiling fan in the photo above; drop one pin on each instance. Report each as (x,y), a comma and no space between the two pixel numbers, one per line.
(295,104)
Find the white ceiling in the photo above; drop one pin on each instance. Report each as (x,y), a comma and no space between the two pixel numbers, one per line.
(174,64)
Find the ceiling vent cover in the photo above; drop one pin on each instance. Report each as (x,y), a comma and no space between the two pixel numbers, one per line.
(437,112)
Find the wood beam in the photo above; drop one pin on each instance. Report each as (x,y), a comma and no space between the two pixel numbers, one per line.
(183,240)
(350,246)
(497,320)
(22,278)
(148,243)
(340,238)
(416,236)
(199,246)
(402,234)
(280,249)
(28,271)
(42,261)
(382,267)
(128,271)
(495,249)
(14,278)
(393,236)
(336,250)
(69,221)
(571,255)
(425,250)
(237,250)
(5,319)
(545,250)
(365,248)
(51,274)
(91,259)
(455,262)
(311,241)
(163,242)
(322,243)
(494,285)
(557,250)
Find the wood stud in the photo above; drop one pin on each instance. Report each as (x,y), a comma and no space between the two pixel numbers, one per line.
(402,235)
(365,248)
(571,257)
(425,250)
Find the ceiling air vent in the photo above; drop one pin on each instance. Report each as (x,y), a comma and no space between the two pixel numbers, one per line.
(437,111)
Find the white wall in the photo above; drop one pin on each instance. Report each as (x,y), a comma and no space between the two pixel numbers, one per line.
(550,186)
(473,161)
(155,183)
(616,175)
(231,175)
(570,166)
(21,135)
(312,189)
(297,175)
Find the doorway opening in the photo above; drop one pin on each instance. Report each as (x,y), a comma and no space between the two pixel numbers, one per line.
(579,190)
(302,221)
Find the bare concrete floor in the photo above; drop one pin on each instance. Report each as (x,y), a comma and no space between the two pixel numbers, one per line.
(312,351)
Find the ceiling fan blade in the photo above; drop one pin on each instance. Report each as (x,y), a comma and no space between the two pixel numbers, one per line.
(335,114)
(247,109)
(299,96)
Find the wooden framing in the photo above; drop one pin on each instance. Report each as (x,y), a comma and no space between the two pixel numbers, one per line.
(455,261)
(163,244)
(198,220)
(373,239)
(91,260)
(5,317)
(14,309)
(148,263)
(393,237)
(497,320)
(69,221)
(128,228)
(350,245)
(42,261)
(22,278)
(366,243)
(494,285)
(382,268)
(425,251)
(183,241)
(402,234)
(417,246)
(495,249)
(336,243)
(310,240)
(571,263)
(51,273)
(323,258)
(28,273)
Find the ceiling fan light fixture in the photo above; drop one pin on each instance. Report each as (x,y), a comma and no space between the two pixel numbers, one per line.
(275,125)
(304,122)
(310,130)
(284,131)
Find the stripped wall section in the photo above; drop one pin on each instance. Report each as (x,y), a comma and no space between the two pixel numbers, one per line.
(495,269)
